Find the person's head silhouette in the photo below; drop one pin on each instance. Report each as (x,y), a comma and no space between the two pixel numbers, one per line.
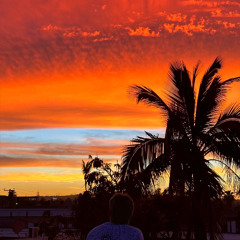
(121,208)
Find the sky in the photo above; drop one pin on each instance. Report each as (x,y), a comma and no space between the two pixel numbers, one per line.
(65,71)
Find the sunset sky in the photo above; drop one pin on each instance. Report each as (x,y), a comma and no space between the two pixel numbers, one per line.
(66,67)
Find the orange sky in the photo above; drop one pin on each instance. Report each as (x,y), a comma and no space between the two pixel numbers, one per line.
(63,63)
(68,64)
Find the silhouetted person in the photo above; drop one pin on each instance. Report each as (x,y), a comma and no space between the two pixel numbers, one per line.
(121,208)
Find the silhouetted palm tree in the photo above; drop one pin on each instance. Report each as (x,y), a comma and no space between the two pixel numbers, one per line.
(86,168)
(197,134)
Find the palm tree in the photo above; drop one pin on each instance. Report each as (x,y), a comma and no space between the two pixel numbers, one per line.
(198,133)
(86,168)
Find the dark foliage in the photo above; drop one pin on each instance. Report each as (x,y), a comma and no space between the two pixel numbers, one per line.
(197,133)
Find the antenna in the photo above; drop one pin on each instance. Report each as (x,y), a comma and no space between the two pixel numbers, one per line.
(11,192)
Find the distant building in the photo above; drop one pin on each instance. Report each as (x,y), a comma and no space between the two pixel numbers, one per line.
(25,220)
(232,221)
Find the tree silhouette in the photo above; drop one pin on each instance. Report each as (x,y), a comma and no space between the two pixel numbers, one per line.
(100,176)
(198,133)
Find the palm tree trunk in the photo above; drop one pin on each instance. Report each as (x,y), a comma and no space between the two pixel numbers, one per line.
(199,230)
(198,212)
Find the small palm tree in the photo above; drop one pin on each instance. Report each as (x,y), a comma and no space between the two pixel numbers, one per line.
(197,134)
(86,168)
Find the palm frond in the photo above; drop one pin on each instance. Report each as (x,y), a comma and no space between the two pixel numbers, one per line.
(195,73)
(231,80)
(208,76)
(232,113)
(148,96)
(154,170)
(225,145)
(183,92)
(182,98)
(207,183)
(204,94)
(208,106)
(211,183)
(151,135)
(226,166)
(211,99)
(232,177)
(138,155)
(86,167)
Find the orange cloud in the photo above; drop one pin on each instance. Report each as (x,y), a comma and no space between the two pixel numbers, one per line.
(70,32)
(49,161)
(16,162)
(71,65)
(188,29)
(210,3)
(141,31)
(176,17)
(228,24)
(94,147)
(229,14)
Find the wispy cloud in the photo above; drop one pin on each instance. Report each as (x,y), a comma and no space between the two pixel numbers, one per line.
(143,31)
(190,28)
(176,17)
(70,32)
(211,3)
(67,150)
(41,44)
(218,13)
(23,161)
(63,148)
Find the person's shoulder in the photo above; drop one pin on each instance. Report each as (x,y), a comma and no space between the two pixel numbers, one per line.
(110,228)
(137,231)
(98,229)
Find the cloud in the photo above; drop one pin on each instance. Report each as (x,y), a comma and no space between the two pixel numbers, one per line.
(227,14)
(23,161)
(63,148)
(189,29)
(77,116)
(176,17)
(228,25)
(141,31)
(64,38)
(70,32)
(93,147)
(211,3)
(72,147)
(70,64)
